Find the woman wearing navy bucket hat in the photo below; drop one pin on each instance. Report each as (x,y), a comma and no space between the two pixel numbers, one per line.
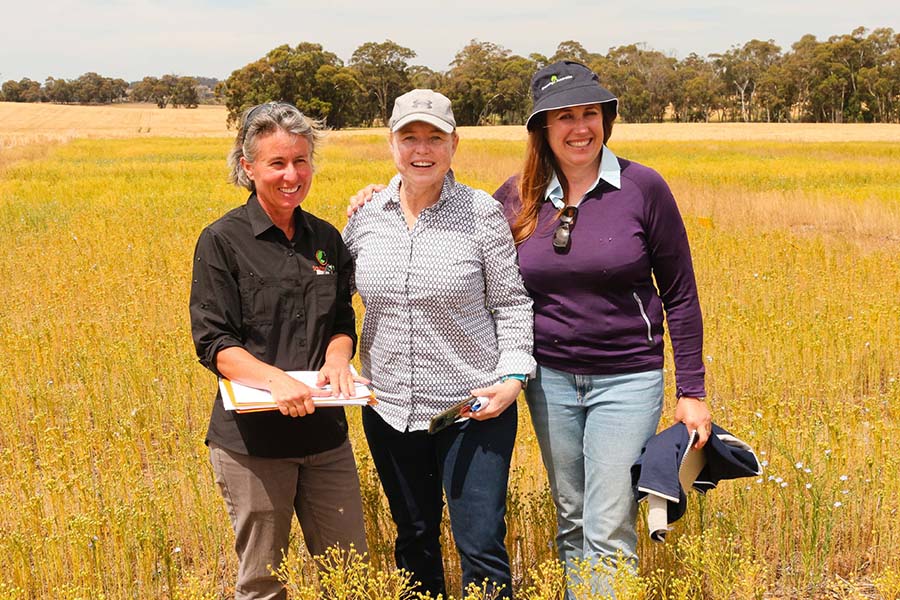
(592,232)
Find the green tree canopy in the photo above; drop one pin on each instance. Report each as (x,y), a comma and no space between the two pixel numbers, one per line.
(489,85)
(851,77)
(383,73)
(292,75)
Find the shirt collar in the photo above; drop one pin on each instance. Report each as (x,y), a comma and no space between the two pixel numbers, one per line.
(609,171)
(393,189)
(260,221)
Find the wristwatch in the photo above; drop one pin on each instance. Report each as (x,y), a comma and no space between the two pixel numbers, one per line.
(523,379)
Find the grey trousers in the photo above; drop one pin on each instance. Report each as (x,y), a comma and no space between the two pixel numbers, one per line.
(262,494)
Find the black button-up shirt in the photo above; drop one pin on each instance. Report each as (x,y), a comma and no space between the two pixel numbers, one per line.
(282,301)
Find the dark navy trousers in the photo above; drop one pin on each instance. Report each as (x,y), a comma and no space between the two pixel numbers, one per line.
(469,462)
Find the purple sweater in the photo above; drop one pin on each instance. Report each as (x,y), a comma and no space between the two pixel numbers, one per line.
(596,308)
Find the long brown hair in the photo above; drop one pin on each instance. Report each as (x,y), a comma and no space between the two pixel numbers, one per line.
(540,163)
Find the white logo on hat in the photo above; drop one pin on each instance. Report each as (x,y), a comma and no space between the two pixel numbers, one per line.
(554,80)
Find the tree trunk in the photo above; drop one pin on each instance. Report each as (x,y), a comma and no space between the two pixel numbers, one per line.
(742,90)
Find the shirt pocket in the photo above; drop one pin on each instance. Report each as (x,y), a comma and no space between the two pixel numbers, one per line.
(259,299)
(325,287)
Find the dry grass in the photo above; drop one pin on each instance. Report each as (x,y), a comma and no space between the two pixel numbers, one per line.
(105,407)
(676,132)
(29,123)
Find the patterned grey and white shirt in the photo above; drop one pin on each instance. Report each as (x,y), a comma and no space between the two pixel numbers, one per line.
(446,310)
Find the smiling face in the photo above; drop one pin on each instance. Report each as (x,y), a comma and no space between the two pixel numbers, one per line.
(422,153)
(575,135)
(281,171)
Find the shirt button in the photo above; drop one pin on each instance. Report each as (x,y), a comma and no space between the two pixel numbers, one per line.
(299,315)
(290,252)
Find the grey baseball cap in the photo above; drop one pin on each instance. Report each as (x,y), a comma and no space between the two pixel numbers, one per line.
(423,105)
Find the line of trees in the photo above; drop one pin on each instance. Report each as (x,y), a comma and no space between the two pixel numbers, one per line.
(92,88)
(853,77)
(165,90)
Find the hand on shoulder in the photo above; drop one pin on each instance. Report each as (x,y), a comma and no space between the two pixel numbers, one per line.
(359,199)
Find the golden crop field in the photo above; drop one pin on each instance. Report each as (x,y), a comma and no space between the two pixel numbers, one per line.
(104,479)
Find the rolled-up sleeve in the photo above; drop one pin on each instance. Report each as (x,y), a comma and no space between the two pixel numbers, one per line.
(505,294)
(215,302)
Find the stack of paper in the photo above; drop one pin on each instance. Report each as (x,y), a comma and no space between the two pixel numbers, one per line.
(242,398)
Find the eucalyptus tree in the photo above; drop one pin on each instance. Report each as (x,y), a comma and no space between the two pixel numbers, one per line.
(305,75)
(383,72)
(743,67)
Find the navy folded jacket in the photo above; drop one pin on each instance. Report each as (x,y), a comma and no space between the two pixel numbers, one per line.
(668,466)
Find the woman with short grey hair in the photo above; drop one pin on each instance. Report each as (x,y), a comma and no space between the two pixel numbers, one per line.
(270,294)
(261,120)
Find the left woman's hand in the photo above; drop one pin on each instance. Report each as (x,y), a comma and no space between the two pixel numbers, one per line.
(695,415)
(499,397)
(337,373)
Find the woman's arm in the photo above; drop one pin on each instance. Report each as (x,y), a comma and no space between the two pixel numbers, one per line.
(215,302)
(670,258)
(336,370)
(292,397)
(215,307)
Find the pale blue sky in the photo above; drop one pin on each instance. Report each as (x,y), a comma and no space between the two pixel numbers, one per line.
(131,39)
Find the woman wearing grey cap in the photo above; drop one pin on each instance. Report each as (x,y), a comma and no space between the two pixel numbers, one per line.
(604,255)
(447,318)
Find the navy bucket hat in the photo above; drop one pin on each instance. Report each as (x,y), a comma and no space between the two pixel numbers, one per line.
(563,84)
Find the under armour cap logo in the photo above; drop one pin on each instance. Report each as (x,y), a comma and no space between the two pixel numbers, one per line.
(554,80)
(422,104)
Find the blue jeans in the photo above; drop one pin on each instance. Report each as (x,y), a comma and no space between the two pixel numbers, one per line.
(469,462)
(591,429)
